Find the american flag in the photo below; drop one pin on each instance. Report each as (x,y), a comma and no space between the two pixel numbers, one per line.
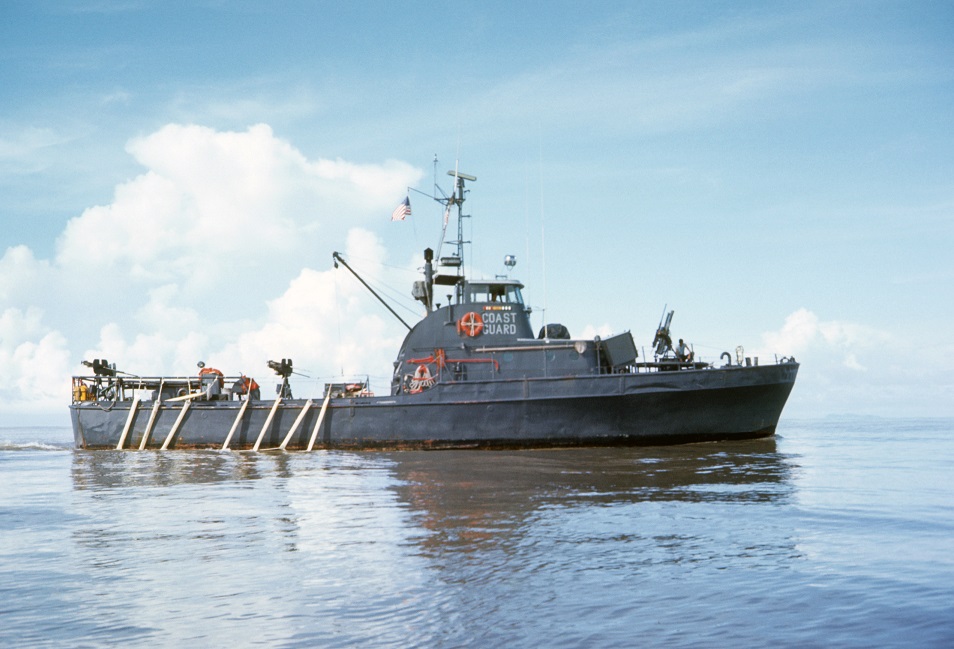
(402,211)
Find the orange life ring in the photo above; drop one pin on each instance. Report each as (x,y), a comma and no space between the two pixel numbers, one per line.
(211,370)
(246,384)
(471,324)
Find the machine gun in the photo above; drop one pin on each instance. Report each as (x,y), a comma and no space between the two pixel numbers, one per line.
(284,369)
(663,342)
(108,384)
(101,367)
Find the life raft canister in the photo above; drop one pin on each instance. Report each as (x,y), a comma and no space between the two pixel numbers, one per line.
(471,324)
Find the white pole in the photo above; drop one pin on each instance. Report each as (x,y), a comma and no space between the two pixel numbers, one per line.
(321,417)
(133,407)
(235,424)
(268,422)
(152,421)
(301,417)
(175,426)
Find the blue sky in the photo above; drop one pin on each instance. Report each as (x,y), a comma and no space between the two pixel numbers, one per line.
(175,176)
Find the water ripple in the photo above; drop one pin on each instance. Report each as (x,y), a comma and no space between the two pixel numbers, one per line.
(836,533)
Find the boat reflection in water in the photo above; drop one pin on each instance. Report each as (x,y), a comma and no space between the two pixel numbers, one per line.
(454,497)
(462,499)
(117,470)
(417,548)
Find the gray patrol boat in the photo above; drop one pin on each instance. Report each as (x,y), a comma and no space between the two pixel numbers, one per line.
(470,374)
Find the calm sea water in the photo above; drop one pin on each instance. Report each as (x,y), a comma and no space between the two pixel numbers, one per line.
(835,533)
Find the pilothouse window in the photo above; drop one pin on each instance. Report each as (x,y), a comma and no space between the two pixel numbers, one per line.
(501,293)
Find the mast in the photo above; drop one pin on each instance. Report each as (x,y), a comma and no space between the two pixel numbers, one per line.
(457,198)
(424,290)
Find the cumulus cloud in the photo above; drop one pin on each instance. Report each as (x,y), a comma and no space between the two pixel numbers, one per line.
(804,332)
(201,257)
(35,360)
(326,322)
(18,269)
(214,206)
(848,367)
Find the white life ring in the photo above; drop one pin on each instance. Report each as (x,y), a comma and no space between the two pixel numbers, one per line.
(422,379)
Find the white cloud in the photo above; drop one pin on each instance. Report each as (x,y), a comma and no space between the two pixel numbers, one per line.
(17,326)
(215,206)
(200,258)
(325,321)
(150,354)
(19,271)
(848,367)
(35,361)
(591,331)
(845,342)
(161,313)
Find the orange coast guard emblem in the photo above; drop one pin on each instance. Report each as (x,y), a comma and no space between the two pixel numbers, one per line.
(470,325)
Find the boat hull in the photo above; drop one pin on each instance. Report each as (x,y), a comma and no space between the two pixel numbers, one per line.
(618,409)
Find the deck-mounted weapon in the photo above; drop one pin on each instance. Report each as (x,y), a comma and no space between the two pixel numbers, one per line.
(663,342)
(284,369)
